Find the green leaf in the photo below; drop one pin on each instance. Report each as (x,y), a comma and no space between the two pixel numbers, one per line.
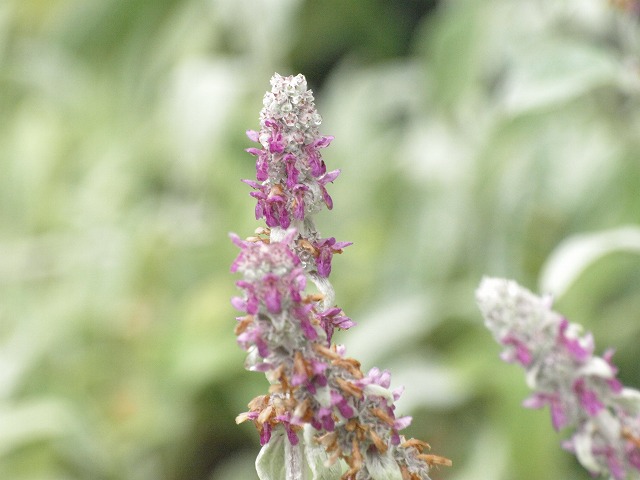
(555,71)
(271,465)
(270,461)
(33,421)
(317,458)
(576,253)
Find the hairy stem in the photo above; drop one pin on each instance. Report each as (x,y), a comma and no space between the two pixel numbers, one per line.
(293,461)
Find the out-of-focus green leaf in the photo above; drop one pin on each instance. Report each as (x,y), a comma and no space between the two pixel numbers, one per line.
(552,71)
(576,253)
(35,421)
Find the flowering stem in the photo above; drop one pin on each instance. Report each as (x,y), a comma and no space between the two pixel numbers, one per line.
(293,462)
(288,331)
(580,388)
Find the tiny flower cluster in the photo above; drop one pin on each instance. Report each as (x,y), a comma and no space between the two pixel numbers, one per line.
(287,331)
(581,389)
(291,174)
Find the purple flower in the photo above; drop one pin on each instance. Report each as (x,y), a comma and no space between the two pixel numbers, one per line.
(265,435)
(402,423)
(285,420)
(574,345)
(324,420)
(342,404)
(298,192)
(522,353)
(633,456)
(322,181)
(248,304)
(323,142)
(272,298)
(588,398)
(318,167)
(375,376)
(262,163)
(303,314)
(275,141)
(253,136)
(296,281)
(271,204)
(326,248)
(251,337)
(334,318)
(318,368)
(292,172)
(558,414)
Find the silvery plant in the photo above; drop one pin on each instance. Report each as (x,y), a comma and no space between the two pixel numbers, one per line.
(322,417)
(580,388)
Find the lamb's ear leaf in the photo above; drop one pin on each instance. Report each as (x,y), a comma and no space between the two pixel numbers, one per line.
(382,466)
(576,253)
(317,458)
(270,461)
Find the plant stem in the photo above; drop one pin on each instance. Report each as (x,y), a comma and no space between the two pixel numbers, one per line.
(294,465)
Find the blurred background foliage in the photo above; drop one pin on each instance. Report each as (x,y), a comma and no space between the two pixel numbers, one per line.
(474,136)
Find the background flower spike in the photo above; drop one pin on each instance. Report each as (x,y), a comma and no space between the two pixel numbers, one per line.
(580,388)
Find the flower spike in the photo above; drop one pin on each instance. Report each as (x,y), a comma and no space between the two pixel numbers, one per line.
(318,396)
(580,388)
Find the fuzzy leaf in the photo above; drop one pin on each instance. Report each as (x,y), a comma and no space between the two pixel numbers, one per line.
(317,458)
(555,71)
(382,467)
(270,461)
(576,253)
